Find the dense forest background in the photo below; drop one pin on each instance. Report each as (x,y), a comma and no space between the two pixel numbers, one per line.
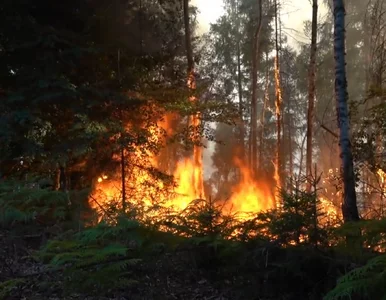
(106,109)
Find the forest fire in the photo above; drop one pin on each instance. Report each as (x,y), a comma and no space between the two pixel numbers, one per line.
(248,196)
(198,182)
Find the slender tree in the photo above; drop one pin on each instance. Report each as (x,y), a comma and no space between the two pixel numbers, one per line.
(240,84)
(278,104)
(262,115)
(349,205)
(195,119)
(311,91)
(255,61)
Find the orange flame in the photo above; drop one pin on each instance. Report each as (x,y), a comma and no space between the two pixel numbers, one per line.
(198,181)
(249,196)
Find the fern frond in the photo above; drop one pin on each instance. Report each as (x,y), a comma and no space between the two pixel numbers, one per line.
(366,281)
(6,287)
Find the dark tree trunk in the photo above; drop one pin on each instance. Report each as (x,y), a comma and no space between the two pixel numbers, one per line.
(62,179)
(262,117)
(311,93)
(241,110)
(195,119)
(255,60)
(349,205)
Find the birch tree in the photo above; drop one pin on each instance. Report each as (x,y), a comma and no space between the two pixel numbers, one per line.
(349,203)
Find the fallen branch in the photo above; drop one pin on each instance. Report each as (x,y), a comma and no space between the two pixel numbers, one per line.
(102,208)
(329,130)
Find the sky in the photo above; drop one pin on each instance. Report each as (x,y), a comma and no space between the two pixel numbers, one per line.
(293,15)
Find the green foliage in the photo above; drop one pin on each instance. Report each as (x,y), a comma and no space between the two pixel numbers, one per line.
(7,287)
(367,282)
(99,258)
(296,223)
(22,203)
(365,239)
(202,218)
(366,235)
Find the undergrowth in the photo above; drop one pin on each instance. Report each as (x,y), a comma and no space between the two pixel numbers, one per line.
(272,249)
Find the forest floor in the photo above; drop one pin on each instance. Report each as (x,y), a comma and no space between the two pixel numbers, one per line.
(167,276)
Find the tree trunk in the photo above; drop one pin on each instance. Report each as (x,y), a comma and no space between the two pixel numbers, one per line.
(278,104)
(255,58)
(123,178)
(63,179)
(311,93)
(290,147)
(240,92)
(301,162)
(262,116)
(57,178)
(60,182)
(349,205)
(195,119)
(123,157)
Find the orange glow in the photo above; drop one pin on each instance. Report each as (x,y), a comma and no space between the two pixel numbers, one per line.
(143,190)
(198,180)
(185,192)
(331,213)
(382,175)
(249,196)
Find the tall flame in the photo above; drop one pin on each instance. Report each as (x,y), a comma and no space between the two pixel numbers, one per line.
(249,196)
(198,181)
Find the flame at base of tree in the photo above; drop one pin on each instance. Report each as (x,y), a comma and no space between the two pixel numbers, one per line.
(198,180)
(146,188)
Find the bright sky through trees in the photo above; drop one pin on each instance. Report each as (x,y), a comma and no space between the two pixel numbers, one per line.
(209,11)
(293,15)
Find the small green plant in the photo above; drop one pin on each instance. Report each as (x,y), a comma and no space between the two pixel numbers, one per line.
(296,222)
